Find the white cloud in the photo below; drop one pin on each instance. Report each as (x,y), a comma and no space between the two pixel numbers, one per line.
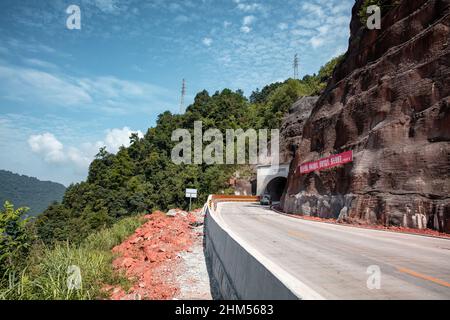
(40,63)
(339,51)
(248,7)
(207,41)
(275,38)
(174,7)
(107,6)
(4,50)
(80,158)
(111,87)
(322,22)
(47,145)
(117,138)
(246,23)
(302,32)
(314,9)
(30,46)
(323,29)
(283,26)
(317,42)
(246,29)
(248,20)
(102,93)
(19,83)
(182,18)
(118,96)
(53,151)
(308,23)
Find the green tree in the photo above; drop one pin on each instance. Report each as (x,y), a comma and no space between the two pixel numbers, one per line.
(15,239)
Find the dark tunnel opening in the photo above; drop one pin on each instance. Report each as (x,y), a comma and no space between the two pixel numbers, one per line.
(275,188)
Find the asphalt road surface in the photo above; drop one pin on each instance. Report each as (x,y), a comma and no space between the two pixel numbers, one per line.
(341,262)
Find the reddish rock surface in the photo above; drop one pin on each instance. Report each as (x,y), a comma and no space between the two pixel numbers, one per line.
(291,131)
(150,257)
(388,101)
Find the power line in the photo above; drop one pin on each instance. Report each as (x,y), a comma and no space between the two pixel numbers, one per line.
(296,66)
(183,94)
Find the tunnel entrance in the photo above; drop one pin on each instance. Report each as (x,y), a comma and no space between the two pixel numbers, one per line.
(275,188)
(254,187)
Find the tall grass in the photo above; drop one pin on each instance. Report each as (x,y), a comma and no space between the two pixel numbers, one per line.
(45,278)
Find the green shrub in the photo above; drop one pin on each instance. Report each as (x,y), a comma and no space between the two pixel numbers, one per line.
(108,238)
(46,276)
(15,240)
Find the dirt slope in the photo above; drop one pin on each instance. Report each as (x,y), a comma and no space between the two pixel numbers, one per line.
(154,258)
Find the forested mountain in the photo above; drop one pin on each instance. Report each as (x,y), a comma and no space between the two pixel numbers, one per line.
(29,192)
(142,177)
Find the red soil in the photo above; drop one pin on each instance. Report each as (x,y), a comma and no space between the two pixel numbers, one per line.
(150,256)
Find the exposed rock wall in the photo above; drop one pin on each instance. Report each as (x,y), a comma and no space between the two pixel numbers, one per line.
(389,102)
(291,131)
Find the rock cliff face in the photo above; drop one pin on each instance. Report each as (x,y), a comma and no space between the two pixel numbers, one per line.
(291,131)
(389,102)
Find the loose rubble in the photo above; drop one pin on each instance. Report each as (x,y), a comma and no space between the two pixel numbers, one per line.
(162,257)
(192,273)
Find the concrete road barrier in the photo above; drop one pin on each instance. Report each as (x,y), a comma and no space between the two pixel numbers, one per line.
(238,274)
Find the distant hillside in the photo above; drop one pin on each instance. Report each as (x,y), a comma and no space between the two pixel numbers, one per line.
(29,192)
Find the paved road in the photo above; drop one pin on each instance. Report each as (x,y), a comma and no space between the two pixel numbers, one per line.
(333,260)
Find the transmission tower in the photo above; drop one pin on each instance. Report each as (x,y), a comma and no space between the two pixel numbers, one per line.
(296,66)
(183,94)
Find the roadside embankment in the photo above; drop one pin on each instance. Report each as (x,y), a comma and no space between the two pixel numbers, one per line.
(163,259)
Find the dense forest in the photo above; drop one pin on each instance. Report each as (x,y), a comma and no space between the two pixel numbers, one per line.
(142,177)
(29,192)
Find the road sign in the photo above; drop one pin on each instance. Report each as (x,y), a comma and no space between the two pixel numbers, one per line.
(191,194)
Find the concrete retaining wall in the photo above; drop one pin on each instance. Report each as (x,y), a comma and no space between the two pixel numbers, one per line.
(237,273)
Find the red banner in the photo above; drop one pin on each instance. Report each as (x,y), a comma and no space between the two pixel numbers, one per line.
(326,163)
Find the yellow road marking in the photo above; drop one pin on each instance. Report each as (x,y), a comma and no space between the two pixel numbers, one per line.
(297,234)
(424,277)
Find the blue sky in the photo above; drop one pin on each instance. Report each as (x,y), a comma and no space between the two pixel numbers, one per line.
(64,93)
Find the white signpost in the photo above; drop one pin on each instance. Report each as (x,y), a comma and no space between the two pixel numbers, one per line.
(191,194)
